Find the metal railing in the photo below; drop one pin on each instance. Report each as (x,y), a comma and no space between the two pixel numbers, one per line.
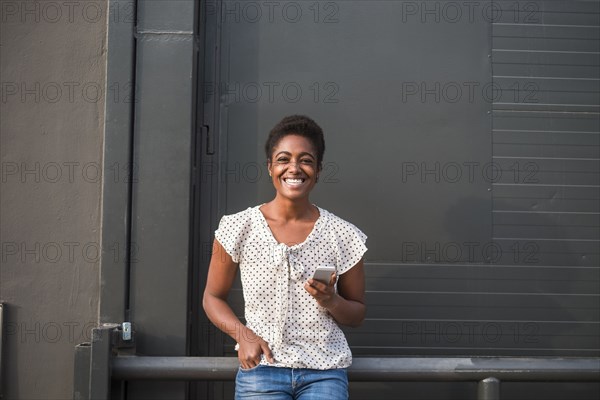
(489,372)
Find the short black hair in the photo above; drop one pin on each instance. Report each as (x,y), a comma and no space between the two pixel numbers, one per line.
(300,125)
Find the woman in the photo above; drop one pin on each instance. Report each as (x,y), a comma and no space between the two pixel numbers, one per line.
(291,346)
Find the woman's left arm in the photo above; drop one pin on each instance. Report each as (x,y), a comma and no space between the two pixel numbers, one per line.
(347,306)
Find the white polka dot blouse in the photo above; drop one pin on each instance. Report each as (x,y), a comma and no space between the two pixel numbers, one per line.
(300,333)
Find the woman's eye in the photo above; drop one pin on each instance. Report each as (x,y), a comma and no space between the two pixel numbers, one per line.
(282,160)
(306,161)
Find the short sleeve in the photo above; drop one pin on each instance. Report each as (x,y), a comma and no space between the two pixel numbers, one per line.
(351,246)
(231,233)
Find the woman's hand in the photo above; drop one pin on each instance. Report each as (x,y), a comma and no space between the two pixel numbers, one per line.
(324,293)
(251,346)
(347,306)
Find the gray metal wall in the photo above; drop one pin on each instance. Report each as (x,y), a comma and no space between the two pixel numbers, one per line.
(471,251)
(418,139)
(152,51)
(162,147)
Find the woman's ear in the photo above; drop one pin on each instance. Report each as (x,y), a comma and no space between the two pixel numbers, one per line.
(269,165)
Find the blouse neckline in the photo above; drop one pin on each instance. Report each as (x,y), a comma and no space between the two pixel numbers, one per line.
(316,228)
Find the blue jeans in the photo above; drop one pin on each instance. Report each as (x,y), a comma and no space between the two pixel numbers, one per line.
(278,383)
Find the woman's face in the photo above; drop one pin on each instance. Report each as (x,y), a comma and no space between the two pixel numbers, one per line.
(293,167)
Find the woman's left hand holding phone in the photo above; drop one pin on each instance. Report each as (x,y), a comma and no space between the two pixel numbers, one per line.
(323,292)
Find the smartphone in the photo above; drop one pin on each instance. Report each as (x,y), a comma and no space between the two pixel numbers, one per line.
(323,273)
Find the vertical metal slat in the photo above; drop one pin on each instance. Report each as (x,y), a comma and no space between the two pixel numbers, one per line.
(1,340)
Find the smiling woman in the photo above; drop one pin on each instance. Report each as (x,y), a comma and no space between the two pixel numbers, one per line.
(293,167)
(291,346)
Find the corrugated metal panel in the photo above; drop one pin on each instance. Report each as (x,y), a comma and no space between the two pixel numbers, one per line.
(546,143)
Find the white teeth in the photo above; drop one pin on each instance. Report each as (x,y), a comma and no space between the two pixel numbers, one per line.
(292,181)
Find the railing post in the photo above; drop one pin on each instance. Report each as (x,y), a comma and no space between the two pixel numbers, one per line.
(488,389)
(100,361)
(81,377)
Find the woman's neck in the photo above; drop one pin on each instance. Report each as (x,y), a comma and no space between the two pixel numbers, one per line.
(291,210)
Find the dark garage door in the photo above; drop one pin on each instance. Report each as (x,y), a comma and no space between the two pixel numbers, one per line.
(462,138)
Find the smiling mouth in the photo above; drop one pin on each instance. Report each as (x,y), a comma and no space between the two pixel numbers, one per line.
(294,181)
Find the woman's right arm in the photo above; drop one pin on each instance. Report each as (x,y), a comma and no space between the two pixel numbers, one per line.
(221,274)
